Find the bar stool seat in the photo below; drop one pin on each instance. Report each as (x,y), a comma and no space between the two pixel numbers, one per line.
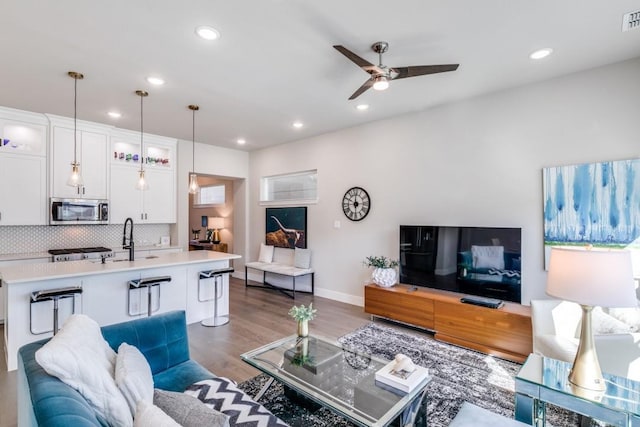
(216,275)
(54,295)
(148,282)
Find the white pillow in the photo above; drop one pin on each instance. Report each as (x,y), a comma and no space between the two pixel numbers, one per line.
(133,376)
(602,323)
(630,316)
(266,253)
(80,357)
(488,256)
(302,258)
(149,415)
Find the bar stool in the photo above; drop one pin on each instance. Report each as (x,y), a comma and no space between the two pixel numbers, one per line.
(216,275)
(148,283)
(54,295)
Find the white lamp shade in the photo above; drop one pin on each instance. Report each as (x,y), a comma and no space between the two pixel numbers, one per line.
(592,277)
(215,222)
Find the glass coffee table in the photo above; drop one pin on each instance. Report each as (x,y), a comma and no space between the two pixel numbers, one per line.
(340,379)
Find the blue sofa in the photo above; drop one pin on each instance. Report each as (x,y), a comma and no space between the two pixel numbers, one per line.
(44,400)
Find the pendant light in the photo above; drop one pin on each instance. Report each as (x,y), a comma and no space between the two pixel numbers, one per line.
(193,178)
(75,179)
(142,182)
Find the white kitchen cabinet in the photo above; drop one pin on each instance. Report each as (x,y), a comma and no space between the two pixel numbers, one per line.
(92,154)
(157,205)
(17,205)
(23,151)
(22,132)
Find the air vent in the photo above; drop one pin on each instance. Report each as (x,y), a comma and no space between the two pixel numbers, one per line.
(631,21)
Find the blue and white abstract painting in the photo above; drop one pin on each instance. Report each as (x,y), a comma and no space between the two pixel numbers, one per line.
(594,203)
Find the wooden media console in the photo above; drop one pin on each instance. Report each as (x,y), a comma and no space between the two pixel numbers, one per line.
(504,332)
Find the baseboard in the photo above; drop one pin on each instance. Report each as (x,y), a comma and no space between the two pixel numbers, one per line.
(340,296)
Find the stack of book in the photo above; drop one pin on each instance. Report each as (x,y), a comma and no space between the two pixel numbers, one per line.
(400,381)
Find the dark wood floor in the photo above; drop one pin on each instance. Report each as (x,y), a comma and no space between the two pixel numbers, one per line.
(257,318)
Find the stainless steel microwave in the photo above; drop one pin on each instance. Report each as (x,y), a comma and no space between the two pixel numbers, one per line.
(78,211)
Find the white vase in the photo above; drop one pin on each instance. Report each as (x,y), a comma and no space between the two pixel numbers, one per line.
(385,277)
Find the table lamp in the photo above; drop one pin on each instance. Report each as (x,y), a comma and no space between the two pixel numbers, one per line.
(590,277)
(215,223)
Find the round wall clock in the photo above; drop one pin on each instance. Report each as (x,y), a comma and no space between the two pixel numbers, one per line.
(356,203)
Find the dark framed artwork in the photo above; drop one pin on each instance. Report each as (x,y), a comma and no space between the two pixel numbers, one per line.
(286,227)
(204,221)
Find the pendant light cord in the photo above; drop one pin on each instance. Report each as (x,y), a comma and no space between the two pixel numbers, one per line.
(75,118)
(193,142)
(141,135)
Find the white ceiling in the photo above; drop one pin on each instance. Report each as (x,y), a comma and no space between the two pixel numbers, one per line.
(275,63)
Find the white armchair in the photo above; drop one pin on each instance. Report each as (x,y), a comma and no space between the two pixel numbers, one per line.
(556,332)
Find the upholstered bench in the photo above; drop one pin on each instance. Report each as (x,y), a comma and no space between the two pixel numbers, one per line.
(471,415)
(277,264)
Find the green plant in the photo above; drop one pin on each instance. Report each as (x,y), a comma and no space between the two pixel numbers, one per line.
(302,312)
(380,262)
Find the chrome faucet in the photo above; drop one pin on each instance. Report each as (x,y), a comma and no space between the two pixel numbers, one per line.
(130,238)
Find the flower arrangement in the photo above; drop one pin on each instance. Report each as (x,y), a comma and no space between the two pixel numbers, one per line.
(380,262)
(303,313)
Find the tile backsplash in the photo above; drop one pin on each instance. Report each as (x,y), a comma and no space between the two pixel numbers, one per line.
(29,239)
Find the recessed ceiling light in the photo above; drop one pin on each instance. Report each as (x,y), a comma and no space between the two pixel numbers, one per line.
(157,81)
(114,114)
(297,125)
(541,53)
(241,141)
(208,33)
(362,107)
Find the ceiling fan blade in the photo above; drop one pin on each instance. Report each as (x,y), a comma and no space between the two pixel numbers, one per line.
(360,62)
(362,89)
(420,70)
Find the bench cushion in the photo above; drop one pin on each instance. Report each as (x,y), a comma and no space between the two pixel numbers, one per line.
(287,270)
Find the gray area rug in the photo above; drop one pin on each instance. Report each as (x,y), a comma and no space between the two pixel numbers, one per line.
(459,375)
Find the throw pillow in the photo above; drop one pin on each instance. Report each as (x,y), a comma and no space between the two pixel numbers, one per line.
(149,415)
(79,356)
(133,376)
(266,253)
(302,258)
(187,410)
(602,323)
(488,256)
(630,316)
(222,395)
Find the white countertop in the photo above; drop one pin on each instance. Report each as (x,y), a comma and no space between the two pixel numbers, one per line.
(59,270)
(47,256)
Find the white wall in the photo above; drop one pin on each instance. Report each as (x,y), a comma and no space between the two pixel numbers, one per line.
(217,161)
(476,162)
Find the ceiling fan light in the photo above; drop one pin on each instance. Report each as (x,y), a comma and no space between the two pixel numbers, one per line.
(381,83)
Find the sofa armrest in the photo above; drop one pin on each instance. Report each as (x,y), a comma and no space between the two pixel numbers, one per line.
(44,400)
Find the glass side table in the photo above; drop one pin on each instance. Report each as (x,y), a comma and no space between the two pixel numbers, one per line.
(543,380)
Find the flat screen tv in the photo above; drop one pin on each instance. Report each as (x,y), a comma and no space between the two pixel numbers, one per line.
(482,261)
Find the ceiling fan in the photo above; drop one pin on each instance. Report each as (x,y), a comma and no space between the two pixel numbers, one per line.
(381,75)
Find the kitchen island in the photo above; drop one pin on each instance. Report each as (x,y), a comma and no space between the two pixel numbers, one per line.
(109,293)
